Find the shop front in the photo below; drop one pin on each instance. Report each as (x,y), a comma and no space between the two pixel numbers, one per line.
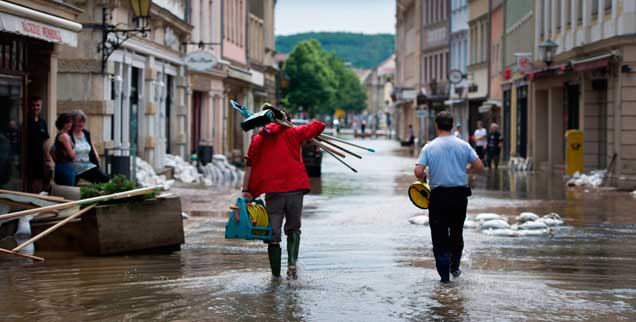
(29,45)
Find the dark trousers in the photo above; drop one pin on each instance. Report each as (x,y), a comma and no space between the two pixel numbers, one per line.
(447,212)
(493,157)
(94,175)
(480,152)
(287,205)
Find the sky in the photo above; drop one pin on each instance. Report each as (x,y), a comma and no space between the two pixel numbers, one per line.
(365,16)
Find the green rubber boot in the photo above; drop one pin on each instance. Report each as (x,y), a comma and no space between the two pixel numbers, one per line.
(293,245)
(274,254)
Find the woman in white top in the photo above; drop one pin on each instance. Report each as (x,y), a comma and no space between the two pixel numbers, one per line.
(86,161)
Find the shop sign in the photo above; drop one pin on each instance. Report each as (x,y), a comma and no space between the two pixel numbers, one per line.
(31,28)
(524,63)
(200,60)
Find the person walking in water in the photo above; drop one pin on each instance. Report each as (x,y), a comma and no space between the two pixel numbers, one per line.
(495,142)
(274,166)
(447,160)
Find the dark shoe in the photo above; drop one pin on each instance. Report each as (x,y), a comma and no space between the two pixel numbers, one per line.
(293,246)
(444,281)
(274,254)
(456,273)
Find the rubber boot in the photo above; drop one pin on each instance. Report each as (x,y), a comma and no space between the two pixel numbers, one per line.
(274,254)
(454,264)
(293,245)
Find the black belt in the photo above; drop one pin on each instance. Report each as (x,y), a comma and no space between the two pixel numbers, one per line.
(458,189)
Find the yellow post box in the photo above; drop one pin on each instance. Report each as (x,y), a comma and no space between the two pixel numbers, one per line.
(573,151)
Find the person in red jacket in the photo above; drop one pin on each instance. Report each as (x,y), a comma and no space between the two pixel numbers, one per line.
(275,167)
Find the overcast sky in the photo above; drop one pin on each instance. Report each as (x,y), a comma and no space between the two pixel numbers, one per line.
(366,16)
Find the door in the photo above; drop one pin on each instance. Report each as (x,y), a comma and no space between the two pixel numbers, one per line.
(169,110)
(134,107)
(507,95)
(571,117)
(197,100)
(12,116)
(522,121)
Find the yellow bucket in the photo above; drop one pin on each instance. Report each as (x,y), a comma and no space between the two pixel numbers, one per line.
(420,194)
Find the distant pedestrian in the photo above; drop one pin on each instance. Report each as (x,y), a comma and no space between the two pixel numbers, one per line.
(446,159)
(495,142)
(363,127)
(457,133)
(63,152)
(38,163)
(274,167)
(480,140)
(87,160)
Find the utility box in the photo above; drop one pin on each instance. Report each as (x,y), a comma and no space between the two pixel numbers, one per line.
(573,151)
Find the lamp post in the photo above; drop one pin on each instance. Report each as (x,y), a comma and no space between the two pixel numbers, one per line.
(113,37)
(547,51)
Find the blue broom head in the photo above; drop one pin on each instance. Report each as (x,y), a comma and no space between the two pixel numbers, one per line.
(257,120)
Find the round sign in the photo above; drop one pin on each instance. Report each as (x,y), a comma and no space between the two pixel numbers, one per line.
(455,76)
(200,60)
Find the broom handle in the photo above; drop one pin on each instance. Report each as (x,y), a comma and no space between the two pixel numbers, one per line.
(328,149)
(8,252)
(83,202)
(341,161)
(339,147)
(329,137)
(53,228)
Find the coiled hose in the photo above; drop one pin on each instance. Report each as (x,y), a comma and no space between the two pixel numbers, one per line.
(258,217)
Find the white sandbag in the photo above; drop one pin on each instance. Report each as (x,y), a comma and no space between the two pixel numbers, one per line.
(533,232)
(494,224)
(470,224)
(419,220)
(527,216)
(24,226)
(488,216)
(552,219)
(533,225)
(501,232)
(593,179)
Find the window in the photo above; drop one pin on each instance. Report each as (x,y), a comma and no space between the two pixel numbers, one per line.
(595,7)
(541,18)
(201,21)
(557,15)
(579,11)
(608,6)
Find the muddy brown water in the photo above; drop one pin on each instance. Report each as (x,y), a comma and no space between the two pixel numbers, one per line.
(361,260)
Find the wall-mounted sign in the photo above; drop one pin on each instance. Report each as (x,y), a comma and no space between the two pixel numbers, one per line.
(524,63)
(455,76)
(200,60)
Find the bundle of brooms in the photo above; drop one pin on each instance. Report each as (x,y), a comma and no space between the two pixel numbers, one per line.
(85,204)
(271,114)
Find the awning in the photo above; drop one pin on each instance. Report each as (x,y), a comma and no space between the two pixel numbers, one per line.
(32,23)
(453,101)
(592,62)
(488,105)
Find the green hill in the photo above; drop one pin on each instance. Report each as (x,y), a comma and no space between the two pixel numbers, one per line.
(361,50)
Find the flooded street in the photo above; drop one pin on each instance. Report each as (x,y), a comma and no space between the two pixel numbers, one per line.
(360,260)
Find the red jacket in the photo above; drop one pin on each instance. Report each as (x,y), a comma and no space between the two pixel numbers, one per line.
(276,159)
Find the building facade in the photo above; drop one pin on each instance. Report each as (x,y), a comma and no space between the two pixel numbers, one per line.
(33,36)
(459,53)
(407,63)
(379,84)
(137,102)
(434,64)
(589,85)
(478,67)
(517,52)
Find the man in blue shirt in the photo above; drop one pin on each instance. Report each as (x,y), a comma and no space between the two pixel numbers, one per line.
(447,160)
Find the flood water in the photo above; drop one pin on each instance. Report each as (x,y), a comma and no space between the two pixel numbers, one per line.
(361,260)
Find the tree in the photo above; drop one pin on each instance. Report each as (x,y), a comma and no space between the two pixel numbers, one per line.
(320,82)
(351,95)
(311,84)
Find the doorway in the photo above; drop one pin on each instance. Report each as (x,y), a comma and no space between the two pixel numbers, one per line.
(507,95)
(169,108)
(197,101)
(12,116)
(571,113)
(522,121)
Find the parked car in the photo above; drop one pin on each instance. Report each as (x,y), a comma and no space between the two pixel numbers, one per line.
(312,155)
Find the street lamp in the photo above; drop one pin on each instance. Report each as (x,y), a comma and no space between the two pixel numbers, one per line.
(113,38)
(547,50)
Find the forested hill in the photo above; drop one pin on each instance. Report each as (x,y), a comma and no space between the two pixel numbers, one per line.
(361,50)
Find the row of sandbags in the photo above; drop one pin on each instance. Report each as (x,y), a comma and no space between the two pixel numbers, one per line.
(526,224)
(520,164)
(217,172)
(593,179)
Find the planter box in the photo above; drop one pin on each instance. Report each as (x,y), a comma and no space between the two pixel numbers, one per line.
(131,227)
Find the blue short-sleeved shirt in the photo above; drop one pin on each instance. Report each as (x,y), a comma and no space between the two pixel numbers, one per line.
(446,158)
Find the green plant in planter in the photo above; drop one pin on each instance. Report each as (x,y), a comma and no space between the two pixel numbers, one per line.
(117,184)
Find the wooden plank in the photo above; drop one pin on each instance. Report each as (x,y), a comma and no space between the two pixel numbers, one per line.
(26,194)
